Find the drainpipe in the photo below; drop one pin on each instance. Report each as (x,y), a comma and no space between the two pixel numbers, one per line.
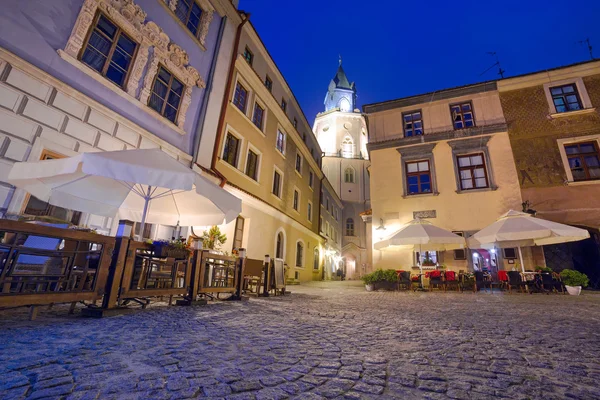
(207,93)
(213,165)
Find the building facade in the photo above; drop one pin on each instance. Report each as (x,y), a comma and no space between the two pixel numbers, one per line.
(98,75)
(342,134)
(330,226)
(554,130)
(270,159)
(445,157)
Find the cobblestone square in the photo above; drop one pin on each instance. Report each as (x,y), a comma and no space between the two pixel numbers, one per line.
(325,340)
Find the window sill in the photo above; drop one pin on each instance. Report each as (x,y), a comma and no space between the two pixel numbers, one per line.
(275,196)
(298,173)
(119,91)
(573,113)
(487,189)
(410,196)
(280,153)
(584,183)
(297,267)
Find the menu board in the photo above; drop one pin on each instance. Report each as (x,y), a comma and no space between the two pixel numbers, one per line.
(279,273)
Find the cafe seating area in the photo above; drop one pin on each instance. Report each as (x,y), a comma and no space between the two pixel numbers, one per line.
(479,281)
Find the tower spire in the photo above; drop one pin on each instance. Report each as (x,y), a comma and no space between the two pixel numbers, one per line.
(340,60)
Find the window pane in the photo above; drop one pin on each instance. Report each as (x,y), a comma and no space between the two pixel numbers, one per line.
(413,188)
(107,27)
(94,59)
(568,89)
(594,172)
(556,91)
(424,178)
(592,161)
(476,160)
(121,59)
(466,107)
(156,102)
(100,43)
(425,188)
(559,101)
(164,75)
(173,99)
(412,167)
(465,174)
(561,109)
(464,161)
(469,123)
(480,182)
(572,98)
(413,180)
(177,87)
(423,166)
(587,148)
(160,89)
(408,118)
(116,75)
(467,184)
(575,163)
(479,173)
(458,125)
(170,113)
(572,149)
(574,106)
(126,45)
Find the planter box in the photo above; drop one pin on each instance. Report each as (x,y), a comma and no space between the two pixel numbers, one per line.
(167,251)
(384,286)
(573,290)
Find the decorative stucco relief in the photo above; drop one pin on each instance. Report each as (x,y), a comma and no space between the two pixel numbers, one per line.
(131,18)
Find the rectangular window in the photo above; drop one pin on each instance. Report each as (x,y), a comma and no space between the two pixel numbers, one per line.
(566,98)
(280,143)
(283,105)
(166,94)
(462,115)
(584,160)
(413,123)
(304,139)
(471,169)
(510,253)
(309,211)
(189,13)
(109,51)
(418,177)
(240,97)
(248,56)
(299,164)
(258,115)
(296,200)
(321,223)
(252,165)
(230,149)
(311,178)
(268,83)
(239,233)
(295,123)
(277,184)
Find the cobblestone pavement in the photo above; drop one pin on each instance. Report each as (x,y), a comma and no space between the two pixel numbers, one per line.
(325,340)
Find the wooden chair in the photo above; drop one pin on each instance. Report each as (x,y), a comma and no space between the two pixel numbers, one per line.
(436,280)
(481,282)
(451,281)
(515,280)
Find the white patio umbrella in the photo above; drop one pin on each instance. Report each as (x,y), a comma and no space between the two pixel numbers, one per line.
(141,185)
(423,235)
(518,229)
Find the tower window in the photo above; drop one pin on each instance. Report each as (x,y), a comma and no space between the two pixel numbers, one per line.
(349,227)
(344,105)
(347,147)
(349,175)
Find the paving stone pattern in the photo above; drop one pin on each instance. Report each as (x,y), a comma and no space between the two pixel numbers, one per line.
(326,340)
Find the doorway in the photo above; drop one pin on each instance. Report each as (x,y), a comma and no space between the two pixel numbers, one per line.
(486,261)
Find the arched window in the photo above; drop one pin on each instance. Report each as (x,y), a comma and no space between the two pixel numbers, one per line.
(344,105)
(347,147)
(279,246)
(299,254)
(349,227)
(349,175)
(316,259)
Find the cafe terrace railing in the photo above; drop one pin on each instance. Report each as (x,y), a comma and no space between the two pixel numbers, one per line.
(42,265)
(215,274)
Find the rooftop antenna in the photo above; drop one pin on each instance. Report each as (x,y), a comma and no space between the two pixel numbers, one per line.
(497,63)
(589,46)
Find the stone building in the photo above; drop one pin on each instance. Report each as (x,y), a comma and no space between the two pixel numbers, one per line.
(330,226)
(269,158)
(554,130)
(342,134)
(98,75)
(446,157)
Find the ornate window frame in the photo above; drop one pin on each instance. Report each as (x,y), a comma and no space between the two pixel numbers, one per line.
(473,145)
(154,48)
(205,19)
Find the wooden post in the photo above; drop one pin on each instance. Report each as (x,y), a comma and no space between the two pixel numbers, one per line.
(239,276)
(115,275)
(267,276)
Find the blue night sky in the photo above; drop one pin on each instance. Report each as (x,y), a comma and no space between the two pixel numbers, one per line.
(400,48)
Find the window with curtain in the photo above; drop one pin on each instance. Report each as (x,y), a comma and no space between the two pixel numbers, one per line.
(166,94)
(109,51)
(189,13)
(230,149)
(299,254)
(316,257)
(240,97)
(252,165)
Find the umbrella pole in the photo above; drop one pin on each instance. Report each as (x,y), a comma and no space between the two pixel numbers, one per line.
(144,213)
(521,259)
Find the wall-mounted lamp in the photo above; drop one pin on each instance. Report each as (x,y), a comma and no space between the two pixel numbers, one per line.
(381,226)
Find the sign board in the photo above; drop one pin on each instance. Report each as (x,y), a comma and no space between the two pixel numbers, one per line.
(424,214)
(279,274)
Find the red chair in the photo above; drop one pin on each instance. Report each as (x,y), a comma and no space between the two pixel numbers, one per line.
(451,280)
(503,278)
(435,279)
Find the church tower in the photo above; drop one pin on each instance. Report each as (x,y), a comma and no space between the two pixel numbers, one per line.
(342,134)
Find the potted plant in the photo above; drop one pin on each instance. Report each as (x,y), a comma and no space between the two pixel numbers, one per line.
(427,261)
(574,281)
(213,238)
(368,280)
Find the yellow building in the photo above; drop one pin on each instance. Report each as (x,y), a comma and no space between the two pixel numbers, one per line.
(271,160)
(444,156)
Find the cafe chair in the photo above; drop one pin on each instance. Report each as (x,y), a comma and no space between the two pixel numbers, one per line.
(515,281)
(481,282)
(452,280)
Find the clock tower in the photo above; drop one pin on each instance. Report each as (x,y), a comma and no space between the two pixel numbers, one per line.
(342,134)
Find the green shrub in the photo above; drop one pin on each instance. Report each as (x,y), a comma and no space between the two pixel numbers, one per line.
(574,278)
(379,275)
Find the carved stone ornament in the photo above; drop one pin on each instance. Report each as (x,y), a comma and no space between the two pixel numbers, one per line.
(131,19)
